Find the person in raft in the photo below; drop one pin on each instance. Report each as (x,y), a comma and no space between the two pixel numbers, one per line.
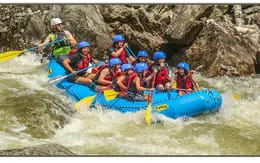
(124,80)
(183,78)
(160,68)
(80,59)
(107,75)
(137,85)
(119,50)
(60,49)
(142,56)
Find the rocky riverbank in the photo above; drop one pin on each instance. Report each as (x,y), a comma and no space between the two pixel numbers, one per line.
(40,150)
(215,39)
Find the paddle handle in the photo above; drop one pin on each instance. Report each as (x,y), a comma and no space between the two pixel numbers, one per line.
(50,43)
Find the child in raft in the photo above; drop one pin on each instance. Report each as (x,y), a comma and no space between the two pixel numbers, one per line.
(160,68)
(132,83)
(183,78)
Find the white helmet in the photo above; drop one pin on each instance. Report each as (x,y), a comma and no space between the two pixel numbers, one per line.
(55,21)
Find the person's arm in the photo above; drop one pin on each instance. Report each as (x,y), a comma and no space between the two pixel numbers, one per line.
(70,38)
(117,53)
(150,61)
(66,64)
(132,59)
(120,82)
(162,65)
(195,84)
(103,74)
(138,85)
(95,61)
(149,77)
(47,40)
(155,70)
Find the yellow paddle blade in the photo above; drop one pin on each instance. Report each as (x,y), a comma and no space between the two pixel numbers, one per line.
(110,94)
(174,85)
(148,114)
(10,55)
(236,96)
(84,103)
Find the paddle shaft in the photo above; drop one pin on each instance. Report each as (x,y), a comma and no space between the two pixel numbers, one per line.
(132,53)
(55,80)
(151,93)
(50,43)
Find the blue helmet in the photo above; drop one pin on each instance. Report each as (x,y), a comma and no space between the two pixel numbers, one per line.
(141,66)
(125,67)
(83,44)
(142,53)
(117,38)
(114,61)
(184,65)
(159,54)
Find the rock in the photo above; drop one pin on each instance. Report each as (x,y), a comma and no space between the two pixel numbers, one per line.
(257,62)
(253,9)
(142,25)
(253,19)
(185,24)
(180,30)
(40,150)
(220,50)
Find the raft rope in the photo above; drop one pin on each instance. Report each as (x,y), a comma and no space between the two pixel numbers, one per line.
(209,92)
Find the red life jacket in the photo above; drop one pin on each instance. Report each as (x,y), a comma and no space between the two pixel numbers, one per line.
(184,82)
(72,52)
(110,77)
(162,76)
(122,56)
(83,63)
(131,86)
(127,81)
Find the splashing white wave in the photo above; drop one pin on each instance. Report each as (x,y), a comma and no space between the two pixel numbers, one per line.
(112,132)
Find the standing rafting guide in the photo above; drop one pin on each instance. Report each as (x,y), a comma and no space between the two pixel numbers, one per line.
(61,49)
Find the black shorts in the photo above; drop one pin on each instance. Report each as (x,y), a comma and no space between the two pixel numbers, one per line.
(61,58)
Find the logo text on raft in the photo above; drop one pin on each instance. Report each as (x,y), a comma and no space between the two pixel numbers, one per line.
(161,107)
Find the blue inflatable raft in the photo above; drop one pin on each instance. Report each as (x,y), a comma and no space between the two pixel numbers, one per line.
(166,103)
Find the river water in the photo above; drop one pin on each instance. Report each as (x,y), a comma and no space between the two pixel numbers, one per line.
(32,112)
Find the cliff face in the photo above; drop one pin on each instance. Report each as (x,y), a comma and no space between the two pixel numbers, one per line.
(206,36)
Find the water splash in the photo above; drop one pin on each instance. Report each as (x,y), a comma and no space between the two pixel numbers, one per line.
(33,112)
